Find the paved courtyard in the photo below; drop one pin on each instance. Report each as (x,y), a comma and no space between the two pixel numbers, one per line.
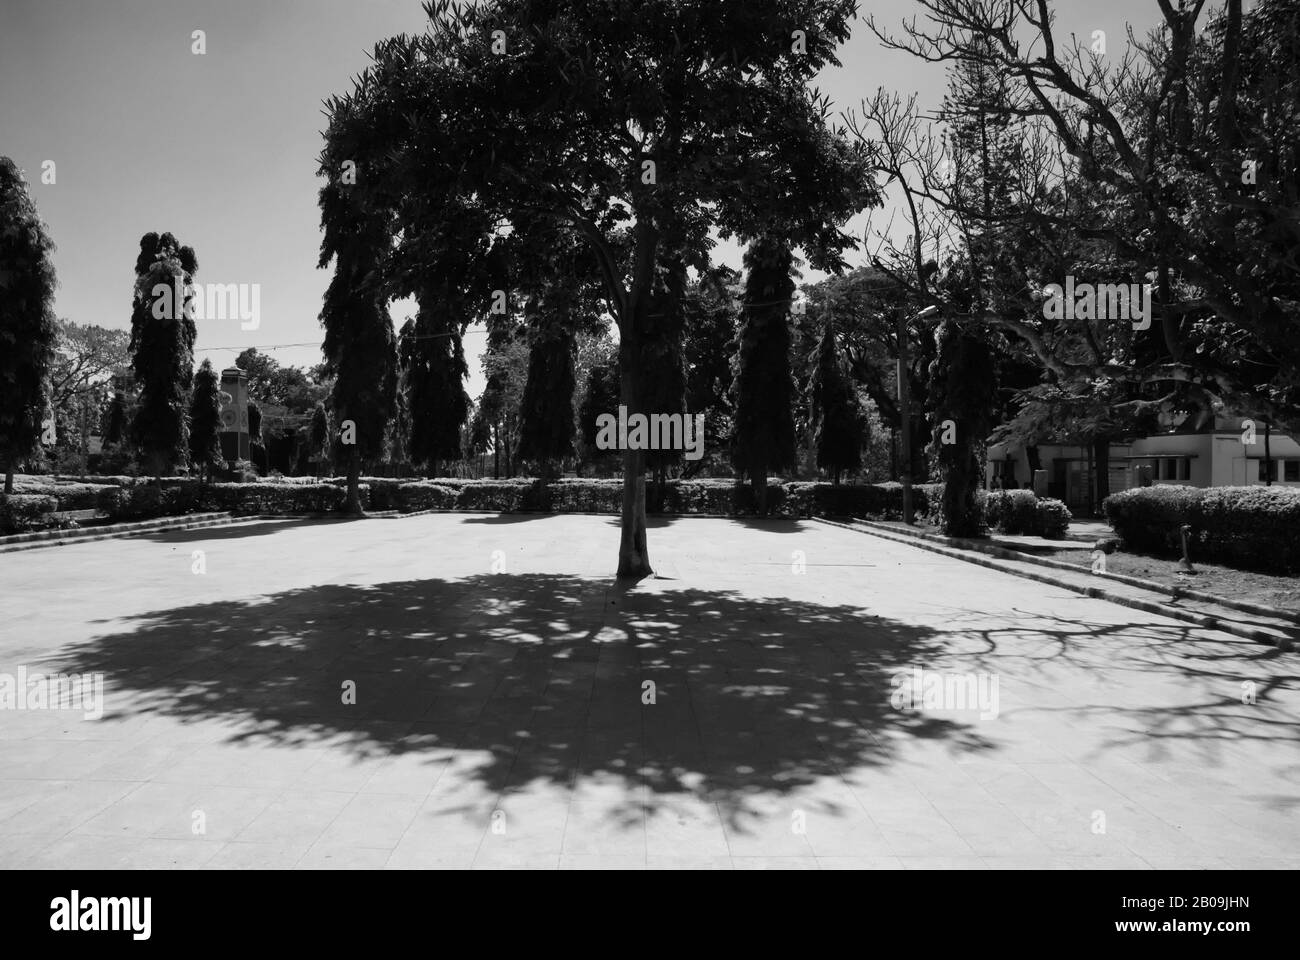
(514,708)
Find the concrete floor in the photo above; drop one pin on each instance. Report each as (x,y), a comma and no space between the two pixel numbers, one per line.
(501,715)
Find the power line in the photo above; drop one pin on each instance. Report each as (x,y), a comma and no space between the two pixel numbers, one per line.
(317,343)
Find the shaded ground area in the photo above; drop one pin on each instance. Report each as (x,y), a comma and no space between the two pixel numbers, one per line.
(515,707)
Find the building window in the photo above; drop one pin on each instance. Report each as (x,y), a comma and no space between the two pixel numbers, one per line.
(1267,471)
(1292,471)
(1171,468)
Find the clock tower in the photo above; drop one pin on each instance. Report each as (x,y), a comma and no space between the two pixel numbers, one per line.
(234,414)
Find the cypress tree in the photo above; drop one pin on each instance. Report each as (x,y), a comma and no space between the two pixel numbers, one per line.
(162,350)
(27,326)
(839,424)
(763,387)
(205,421)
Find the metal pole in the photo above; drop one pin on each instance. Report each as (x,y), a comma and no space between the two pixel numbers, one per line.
(905,420)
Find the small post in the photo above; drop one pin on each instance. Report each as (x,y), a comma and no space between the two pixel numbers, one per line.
(1185,565)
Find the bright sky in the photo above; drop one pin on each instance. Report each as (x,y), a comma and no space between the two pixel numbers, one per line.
(221,148)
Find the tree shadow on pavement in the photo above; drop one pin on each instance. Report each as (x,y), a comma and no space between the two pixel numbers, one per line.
(542,678)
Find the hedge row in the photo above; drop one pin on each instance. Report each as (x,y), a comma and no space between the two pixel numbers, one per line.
(142,502)
(1017,511)
(709,496)
(1253,528)
(67,496)
(24,512)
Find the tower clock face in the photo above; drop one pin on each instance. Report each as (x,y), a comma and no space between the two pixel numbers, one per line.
(229,418)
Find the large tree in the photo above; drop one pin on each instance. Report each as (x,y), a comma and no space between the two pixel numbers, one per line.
(529,110)
(1188,136)
(27,325)
(162,350)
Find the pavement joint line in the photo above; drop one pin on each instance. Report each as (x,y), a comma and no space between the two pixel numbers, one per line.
(1275,638)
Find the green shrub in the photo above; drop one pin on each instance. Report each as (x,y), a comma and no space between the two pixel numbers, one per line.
(1013,512)
(1053,519)
(1252,528)
(70,496)
(1147,519)
(506,496)
(409,495)
(146,501)
(254,498)
(25,512)
(592,496)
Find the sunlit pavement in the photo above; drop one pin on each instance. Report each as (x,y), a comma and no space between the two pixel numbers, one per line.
(458,690)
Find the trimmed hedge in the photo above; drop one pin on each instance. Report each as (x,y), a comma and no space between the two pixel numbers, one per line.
(24,512)
(70,496)
(144,502)
(1252,528)
(717,496)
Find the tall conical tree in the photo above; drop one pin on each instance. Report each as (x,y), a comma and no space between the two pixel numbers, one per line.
(205,421)
(115,419)
(319,435)
(162,350)
(433,378)
(28,330)
(360,346)
(546,431)
(763,388)
(839,427)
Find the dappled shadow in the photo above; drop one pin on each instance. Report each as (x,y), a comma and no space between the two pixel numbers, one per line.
(1230,690)
(543,678)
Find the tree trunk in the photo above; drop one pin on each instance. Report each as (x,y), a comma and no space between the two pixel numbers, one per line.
(353,504)
(9,477)
(1101,472)
(1268,458)
(633,552)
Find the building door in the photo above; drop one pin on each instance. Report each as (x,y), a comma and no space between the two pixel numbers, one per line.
(1078,486)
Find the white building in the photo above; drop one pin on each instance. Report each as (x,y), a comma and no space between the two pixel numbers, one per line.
(1221,456)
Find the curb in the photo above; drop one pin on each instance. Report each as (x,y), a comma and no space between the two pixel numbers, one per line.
(1008,553)
(1271,637)
(61,538)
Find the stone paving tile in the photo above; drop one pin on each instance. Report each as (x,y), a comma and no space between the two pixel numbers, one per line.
(773,741)
(246,855)
(336,856)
